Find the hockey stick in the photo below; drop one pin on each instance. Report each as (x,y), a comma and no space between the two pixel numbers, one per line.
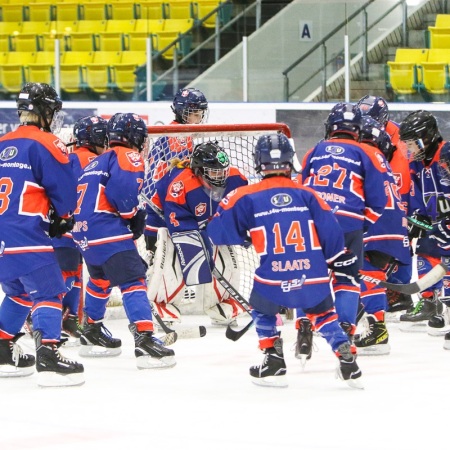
(432,277)
(418,223)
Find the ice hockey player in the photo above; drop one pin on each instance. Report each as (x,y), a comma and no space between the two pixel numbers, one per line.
(377,108)
(350,176)
(428,203)
(35,174)
(188,196)
(90,140)
(386,246)
(108,219)
(298,239)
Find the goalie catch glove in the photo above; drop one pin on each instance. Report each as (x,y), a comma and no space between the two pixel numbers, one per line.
(345,268)
(441,232)
(415,231)
(59,226)
(137,223)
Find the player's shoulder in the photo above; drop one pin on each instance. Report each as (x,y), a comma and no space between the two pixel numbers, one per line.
(128,159)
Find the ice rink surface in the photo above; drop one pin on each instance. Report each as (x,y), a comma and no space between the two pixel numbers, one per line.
(207,401)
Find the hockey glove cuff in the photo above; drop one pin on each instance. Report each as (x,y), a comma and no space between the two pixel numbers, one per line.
(346,268)
(137,223)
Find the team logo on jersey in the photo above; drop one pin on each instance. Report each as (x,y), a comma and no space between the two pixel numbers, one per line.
(60,144)
(281,200)
(176,189)
(200,209)
(334,149)
(134,158)
(91,166)
(381,159)
(8,153)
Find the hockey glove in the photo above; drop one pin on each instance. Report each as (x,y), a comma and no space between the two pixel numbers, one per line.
(415,231)
(441,232)
(137,223)
(59,226)
(346,268)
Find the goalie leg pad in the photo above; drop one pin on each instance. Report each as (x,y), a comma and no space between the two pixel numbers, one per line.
(168,312)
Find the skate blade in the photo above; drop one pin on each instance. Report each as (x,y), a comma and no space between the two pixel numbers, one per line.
(148,362)
(413,327)
(53,379)
(7,371)
(96,351)
(374,350)
(437,332)
(446,345)
(354,384)
(71,341)
(279,381)
(302,359)
(393,317)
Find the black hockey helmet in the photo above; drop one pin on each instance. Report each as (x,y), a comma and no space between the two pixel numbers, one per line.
(273,153)
(211,162)
(420,132)
(40,99)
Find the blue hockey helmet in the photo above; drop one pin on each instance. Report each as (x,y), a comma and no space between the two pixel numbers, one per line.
(273,153)
(211,162)
(373,133)
(375,107)
(344,118)
(90,131)
(127,129)
(190,102)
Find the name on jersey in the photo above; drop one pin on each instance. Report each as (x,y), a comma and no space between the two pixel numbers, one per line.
(286,266)
(80,226)
(335,156)
(331,197)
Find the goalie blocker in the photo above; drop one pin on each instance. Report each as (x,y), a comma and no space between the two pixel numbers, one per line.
(186,259)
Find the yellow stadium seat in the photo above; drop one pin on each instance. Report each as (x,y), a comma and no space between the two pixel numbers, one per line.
(12,71)
(40,73)
(150,10)
(7,28)
(402,72)
(93,11)
(12,13)
(137,58)
(122,10)
(4,44)
(67,11)
(40,12)
(124,26)
(99,77)
(62,27)
(179,9)
(173,29)
(204,7)
(80,42)
(149,26)
(72,75)
(434,73)
(112,41)
(36,27)
(442,21)
(439,37)
(124,72)
(24,42)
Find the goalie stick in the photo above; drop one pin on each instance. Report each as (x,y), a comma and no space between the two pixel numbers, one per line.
(420,224)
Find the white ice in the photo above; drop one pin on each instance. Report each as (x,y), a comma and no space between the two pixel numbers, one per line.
(207,401)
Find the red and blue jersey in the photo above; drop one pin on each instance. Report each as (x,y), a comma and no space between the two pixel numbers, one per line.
(292,230)
(108,197)
(186,203)
(34,173)
(79,159)
(350,177)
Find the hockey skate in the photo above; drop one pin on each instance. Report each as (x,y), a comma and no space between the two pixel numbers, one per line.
(272,371)
(439,324)
(71,331)
(97,341)
(349,330)
(348,369)
(417,319)
(149,351)
(53,369)
(374,338)
(13,361)
(397,304)
(304,344)
(447,341)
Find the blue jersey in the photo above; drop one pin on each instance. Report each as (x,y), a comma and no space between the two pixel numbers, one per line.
(34,173)
(389,234)
(79,159)
(186,203)
(350,177)
(108,197)
(293,231)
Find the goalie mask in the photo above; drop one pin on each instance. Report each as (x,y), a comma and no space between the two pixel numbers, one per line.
(211,163)
(419,131)
(190,106)
(127,129)
(43,101)
(274,154)
(90,132)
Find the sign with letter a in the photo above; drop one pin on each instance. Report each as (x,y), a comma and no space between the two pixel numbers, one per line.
(305,30)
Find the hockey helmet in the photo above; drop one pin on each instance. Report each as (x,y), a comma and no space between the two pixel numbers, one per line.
(127,129)
(190,101)
(373,133)
(344,118)
(273,153)
(90,131)
(211,162)
(375,107)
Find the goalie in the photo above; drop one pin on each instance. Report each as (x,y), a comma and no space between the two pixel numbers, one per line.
(187,196)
